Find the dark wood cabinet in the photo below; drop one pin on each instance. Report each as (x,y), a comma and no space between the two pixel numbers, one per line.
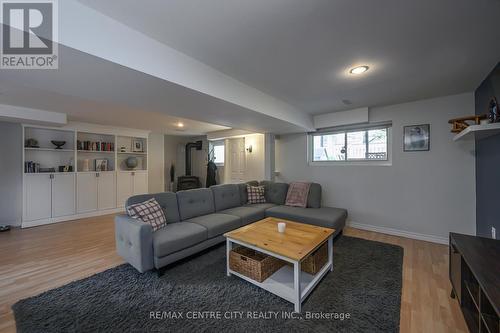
(475,279)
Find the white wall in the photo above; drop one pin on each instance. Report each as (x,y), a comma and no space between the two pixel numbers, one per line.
(424,193)
(11,181)
(174,154)
(199,160)
(156,165)
(256,159)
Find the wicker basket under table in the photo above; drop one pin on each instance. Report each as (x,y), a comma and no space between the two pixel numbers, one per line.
(316,260)
(253,264)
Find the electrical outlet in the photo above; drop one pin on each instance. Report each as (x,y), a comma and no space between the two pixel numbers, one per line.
(493,233)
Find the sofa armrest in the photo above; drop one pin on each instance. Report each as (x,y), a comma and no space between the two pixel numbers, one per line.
(134,242)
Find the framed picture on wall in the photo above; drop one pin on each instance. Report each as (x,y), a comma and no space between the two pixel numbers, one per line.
(416,137)
(137,145)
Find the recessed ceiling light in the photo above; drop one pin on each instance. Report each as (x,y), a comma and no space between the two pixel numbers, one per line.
(359,70)
(180,124)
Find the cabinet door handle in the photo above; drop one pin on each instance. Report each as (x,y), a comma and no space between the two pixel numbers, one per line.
(51,176)
(97,174)
(133,173)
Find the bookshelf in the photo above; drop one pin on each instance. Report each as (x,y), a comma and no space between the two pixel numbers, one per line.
(475,276)
(128,146)
(95,152)
(67,184)
(41,155)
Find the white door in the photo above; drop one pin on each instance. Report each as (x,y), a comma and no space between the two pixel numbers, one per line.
(38,198)
(106,190)
(237,160)
(140,183)
(86,183)
(63,195)
(124,187)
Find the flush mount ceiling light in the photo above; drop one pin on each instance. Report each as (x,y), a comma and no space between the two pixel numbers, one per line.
(180,124)
(359,70)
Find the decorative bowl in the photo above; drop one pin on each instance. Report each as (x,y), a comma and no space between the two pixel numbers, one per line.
(58,144)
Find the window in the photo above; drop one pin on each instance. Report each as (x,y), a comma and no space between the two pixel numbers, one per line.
(365,144)
(218,152)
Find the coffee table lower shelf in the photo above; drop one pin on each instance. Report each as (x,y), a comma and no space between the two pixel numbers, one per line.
(284,282)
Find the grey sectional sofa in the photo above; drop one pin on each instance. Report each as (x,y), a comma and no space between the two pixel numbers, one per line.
(197,219)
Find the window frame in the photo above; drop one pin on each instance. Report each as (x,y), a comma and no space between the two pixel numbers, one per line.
(212,145)
(345,130)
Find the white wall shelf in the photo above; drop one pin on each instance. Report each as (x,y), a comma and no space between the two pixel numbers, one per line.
(49,149)
(96,151)
(132,153)
(478,132)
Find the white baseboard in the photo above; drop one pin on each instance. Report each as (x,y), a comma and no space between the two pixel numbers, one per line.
(29,224)
(401,233)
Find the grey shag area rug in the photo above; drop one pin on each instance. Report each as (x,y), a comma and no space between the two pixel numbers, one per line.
(362,294)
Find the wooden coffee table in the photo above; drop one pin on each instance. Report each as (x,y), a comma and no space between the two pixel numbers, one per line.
(293,246)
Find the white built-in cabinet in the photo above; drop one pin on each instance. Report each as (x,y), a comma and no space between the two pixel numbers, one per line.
(63,194)
(96,191)
(131,183)
(53,195)
(48,196)
(106,190)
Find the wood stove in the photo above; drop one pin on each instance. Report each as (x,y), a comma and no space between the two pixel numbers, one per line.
(188,182)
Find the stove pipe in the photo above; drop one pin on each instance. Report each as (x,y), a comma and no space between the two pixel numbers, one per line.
(198,145)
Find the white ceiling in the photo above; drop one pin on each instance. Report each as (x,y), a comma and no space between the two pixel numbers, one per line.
(112,114)
(94,90)
(299,51)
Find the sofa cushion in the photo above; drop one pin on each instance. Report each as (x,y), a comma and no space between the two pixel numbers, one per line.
(166,200)
(275,192)
(324,217)
(243,190)
(177,236)
(262,206)
(226,196)
(314,197)
(247,214)
(195,202)
(148,211)
(217,224)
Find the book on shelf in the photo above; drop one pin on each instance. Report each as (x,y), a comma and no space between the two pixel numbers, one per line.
(95,146)
(31,167)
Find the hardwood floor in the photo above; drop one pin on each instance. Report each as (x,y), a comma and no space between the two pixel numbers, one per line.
(42,258)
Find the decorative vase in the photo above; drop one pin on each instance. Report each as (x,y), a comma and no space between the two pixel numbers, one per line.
(131,162)
(85,165)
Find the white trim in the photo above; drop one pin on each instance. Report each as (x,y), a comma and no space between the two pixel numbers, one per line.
(29,224)
(401,233)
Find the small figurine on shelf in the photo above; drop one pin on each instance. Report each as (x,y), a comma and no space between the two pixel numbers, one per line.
(459,124)
(493,111)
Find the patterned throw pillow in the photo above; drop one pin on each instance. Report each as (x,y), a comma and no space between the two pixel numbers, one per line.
(297,194)
(255,194)
(150,212)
